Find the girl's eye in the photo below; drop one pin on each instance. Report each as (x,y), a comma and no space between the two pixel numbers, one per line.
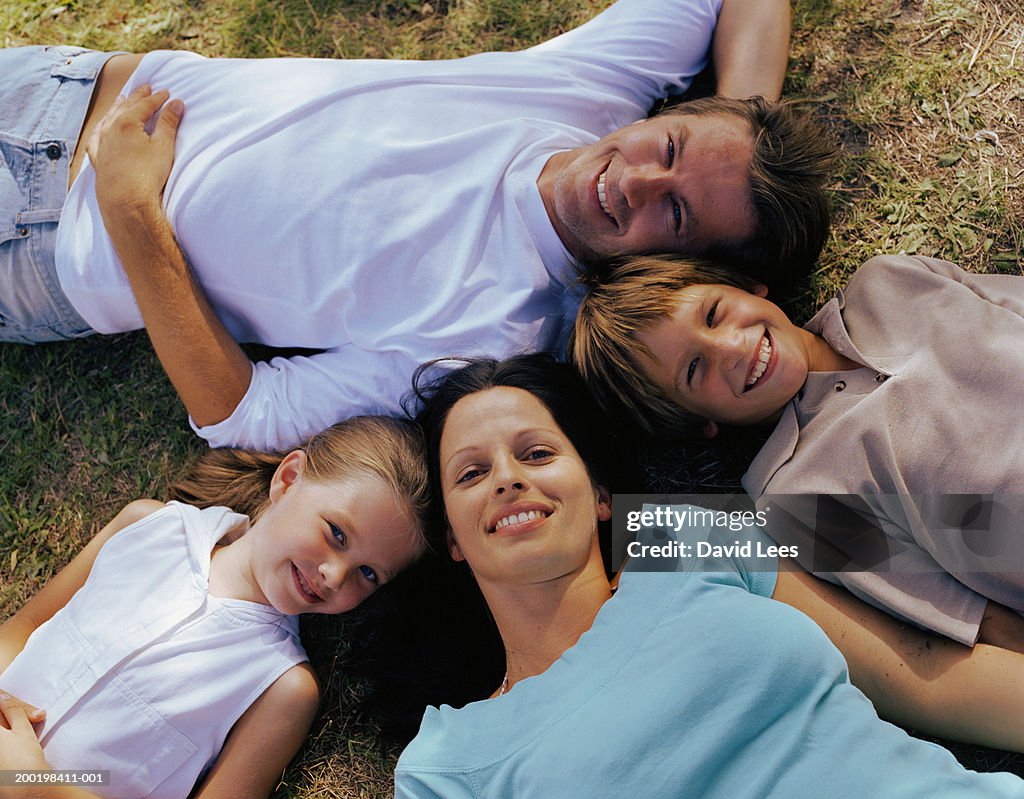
(671,152)
(711,314)
(368,573)
(691,370)
(677,217)
(338,533)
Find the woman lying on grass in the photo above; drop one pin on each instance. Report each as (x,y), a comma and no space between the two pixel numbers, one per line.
(684,681)
(167,652)
(888,407)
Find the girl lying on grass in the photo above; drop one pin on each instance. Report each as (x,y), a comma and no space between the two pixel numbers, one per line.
(888,406)
(167,651)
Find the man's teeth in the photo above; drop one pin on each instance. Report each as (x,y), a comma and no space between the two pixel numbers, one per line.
(518,518)
(603,198)
(763,356)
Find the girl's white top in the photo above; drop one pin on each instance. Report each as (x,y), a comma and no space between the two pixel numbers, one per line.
(143,673)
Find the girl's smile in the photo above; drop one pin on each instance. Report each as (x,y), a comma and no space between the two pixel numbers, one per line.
(320,547)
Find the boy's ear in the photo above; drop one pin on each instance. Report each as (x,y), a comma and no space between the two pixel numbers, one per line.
(760,289)
(288,472)
(710,429)
(453,547)
(604,504)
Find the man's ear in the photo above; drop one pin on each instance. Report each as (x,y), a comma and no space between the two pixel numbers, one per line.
(604,504)
(710,429)
(760,289)
(453,547)
(291,468)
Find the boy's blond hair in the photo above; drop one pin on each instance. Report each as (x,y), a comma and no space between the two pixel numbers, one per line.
(638,291)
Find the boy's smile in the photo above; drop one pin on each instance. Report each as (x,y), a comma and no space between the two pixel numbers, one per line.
(727,355)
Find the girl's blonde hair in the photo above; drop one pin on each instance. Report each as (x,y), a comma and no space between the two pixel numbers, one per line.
(240,479)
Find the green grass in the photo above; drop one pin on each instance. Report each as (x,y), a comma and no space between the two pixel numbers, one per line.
(904,85)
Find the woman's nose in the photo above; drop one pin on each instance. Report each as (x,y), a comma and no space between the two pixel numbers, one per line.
(507,475)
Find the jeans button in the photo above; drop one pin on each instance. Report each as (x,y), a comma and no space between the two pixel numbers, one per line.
(54,152)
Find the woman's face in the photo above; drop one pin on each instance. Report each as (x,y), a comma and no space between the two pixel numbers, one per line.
(519,500)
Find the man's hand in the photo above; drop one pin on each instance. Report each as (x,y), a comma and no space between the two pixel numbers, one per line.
(132,150)
(34,714)
(19,745)
(132,153)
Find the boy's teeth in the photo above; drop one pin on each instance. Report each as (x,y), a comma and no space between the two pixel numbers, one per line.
(763,356)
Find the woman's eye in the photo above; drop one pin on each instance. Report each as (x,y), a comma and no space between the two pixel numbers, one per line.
(677,216)
(671,152)
(711,314)
(469,474)
(368,573)
(538,454)
(338,533)
(691,370)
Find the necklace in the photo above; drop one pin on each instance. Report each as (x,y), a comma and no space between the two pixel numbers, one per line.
(504,685)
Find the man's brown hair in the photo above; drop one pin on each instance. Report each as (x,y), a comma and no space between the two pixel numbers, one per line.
(792,159)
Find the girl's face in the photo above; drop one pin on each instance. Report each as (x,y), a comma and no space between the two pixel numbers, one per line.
(323,547)
(519,499)
(727,355)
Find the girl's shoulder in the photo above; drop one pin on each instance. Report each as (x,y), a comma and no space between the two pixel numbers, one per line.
(137,510)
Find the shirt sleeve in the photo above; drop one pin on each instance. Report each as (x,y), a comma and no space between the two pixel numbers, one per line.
(846,540)
(416,785)
(914,274)
(290,399)
(642,50)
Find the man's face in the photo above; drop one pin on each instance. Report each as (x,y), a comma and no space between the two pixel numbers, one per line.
(674,183)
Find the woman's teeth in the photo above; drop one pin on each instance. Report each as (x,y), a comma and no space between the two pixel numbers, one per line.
(518,518)
(763,356)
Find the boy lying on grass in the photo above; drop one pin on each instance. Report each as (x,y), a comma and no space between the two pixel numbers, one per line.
(888,407)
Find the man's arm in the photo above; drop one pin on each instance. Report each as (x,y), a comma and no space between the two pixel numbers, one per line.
(751,48)
(208,369)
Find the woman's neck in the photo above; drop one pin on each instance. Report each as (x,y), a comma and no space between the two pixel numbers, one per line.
(539,622)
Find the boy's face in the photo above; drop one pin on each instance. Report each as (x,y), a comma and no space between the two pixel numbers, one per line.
(726,355)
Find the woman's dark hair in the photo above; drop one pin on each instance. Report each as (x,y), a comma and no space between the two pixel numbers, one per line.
(440,644)
(557,385)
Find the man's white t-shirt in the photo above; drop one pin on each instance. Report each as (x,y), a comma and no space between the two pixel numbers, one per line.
(386,212)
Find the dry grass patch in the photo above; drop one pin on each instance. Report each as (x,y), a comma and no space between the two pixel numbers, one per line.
(927,98)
